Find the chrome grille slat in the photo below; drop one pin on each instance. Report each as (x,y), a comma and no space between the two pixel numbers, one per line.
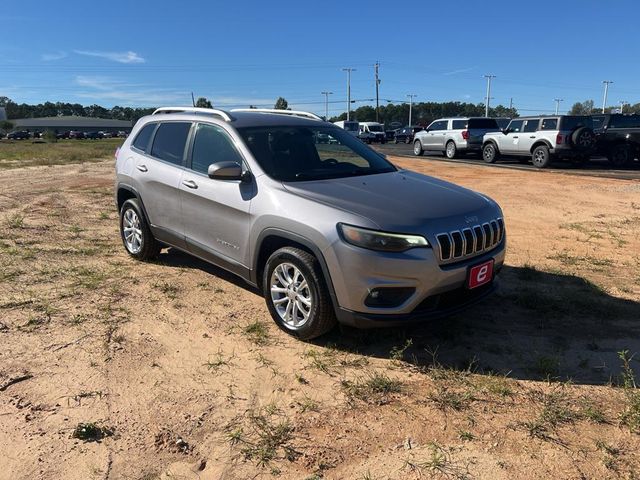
(471,240)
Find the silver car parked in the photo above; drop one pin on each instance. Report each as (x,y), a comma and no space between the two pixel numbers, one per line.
(454,136)
(328,231)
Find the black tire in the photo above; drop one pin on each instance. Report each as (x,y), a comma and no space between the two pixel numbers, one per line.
(620,156)
(490,153)
(395,140)
(407,140)
(417,148)
(321,317)
(149,248)
(451,151)
(583,138)
(541,158)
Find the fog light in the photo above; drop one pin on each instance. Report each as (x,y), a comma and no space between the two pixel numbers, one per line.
(388,297)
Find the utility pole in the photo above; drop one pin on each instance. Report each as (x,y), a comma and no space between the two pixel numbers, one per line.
(377,66)
(326,105)
(558,100)
(511,103)
(410,95)
(606,90)
(622,104)
(489,77)
(348,70)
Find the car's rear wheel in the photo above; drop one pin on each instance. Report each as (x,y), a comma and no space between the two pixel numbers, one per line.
(489,153)
(135,232)
(619,156)
(296,293)
(451,150)
(541,157)
(417,148)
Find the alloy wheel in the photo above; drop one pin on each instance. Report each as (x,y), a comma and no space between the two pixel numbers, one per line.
(291,295)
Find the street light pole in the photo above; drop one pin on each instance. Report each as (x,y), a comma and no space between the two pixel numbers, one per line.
(348,70)
(557,100)
(622,104)
(326,105)
(606,90)
(410,95)
(377,66)
(489,77)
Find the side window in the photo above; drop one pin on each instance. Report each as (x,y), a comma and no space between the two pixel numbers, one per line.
(169,142)
(459,124)
(625,121)
(516,126)
(212,145)
(439,125)
(531,125)
(141,141)
(549,124)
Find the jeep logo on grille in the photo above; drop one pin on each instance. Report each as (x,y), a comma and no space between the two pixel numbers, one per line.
(471,219)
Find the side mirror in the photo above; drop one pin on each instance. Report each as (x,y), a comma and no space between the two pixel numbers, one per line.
(227,171)
(505,130)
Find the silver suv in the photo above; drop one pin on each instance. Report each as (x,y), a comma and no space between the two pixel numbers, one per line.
(453,136)
(541,139)
(328,231)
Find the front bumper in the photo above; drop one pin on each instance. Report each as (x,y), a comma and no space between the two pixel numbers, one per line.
(355,272)
(432,308)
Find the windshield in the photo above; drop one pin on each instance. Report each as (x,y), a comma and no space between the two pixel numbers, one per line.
(375,128)
(294,154)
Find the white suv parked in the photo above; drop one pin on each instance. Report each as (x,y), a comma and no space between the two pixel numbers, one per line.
(453,136)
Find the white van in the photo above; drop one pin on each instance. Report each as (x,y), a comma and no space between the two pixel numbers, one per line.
(350,126)
(372,132)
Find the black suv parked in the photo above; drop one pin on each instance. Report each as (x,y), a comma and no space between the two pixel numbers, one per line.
(406,134)
(617,137)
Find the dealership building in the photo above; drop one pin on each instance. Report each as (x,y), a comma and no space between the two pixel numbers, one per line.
(63,124)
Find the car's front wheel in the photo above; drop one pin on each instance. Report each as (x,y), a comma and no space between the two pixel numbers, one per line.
(135,232)
(620,155)
(417,148)
(296,293)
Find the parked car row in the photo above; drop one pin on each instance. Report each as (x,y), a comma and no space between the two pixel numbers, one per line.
(76,134)
(538,139)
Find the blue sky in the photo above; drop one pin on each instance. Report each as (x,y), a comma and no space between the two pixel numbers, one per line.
(148,53)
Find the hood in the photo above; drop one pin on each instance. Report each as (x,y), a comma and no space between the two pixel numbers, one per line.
(401,201)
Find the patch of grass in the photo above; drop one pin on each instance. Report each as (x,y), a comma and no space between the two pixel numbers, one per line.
(264,439)
(103,216)
(556,409)
(169,289)
(376,389)
(397,352)
(547,367)
(438,464)
(90,432)
(89,278)
(307,404)
(445,398)
(587,261)
(591,412)
(466,436)
(258,333)
(630,416)
(218,362)
(497,385)
(15,221)
(331,359)
(76,231)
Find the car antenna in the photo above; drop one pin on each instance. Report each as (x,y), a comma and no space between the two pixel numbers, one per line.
(193,100)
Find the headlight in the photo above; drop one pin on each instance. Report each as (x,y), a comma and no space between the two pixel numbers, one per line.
(381,241)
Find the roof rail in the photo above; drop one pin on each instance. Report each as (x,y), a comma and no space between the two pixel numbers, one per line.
(297,113)
(211,111)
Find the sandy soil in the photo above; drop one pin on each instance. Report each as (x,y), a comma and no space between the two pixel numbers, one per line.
(181,373)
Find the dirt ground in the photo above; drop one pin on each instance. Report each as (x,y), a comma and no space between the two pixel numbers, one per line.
(111,368)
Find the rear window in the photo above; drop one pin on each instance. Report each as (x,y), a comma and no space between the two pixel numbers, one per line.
(625,121)
(572,123)
(142,139)
(351,126)
(483,123)
(459,124)
(549,124)
(169,142)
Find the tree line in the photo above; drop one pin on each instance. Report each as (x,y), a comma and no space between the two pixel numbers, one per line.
(424,113)
(588,108)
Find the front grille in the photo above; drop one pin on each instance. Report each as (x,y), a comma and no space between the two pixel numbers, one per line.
(460,244)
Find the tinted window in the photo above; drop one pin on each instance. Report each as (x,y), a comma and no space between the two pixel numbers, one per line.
(516,125)
(598,121)
(290,154)
(624,121)
(142,140)
(169,142)
(439,125)
(531,125)
(212,145)
(483,123)
(571,123)
(459,125)
(549,124)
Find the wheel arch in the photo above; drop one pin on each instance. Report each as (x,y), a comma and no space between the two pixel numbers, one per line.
(539,143)
(127,192)
(272,239)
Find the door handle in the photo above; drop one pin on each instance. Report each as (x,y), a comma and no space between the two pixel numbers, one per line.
(515,136)
(190,184)
(533,136)
(142,168)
